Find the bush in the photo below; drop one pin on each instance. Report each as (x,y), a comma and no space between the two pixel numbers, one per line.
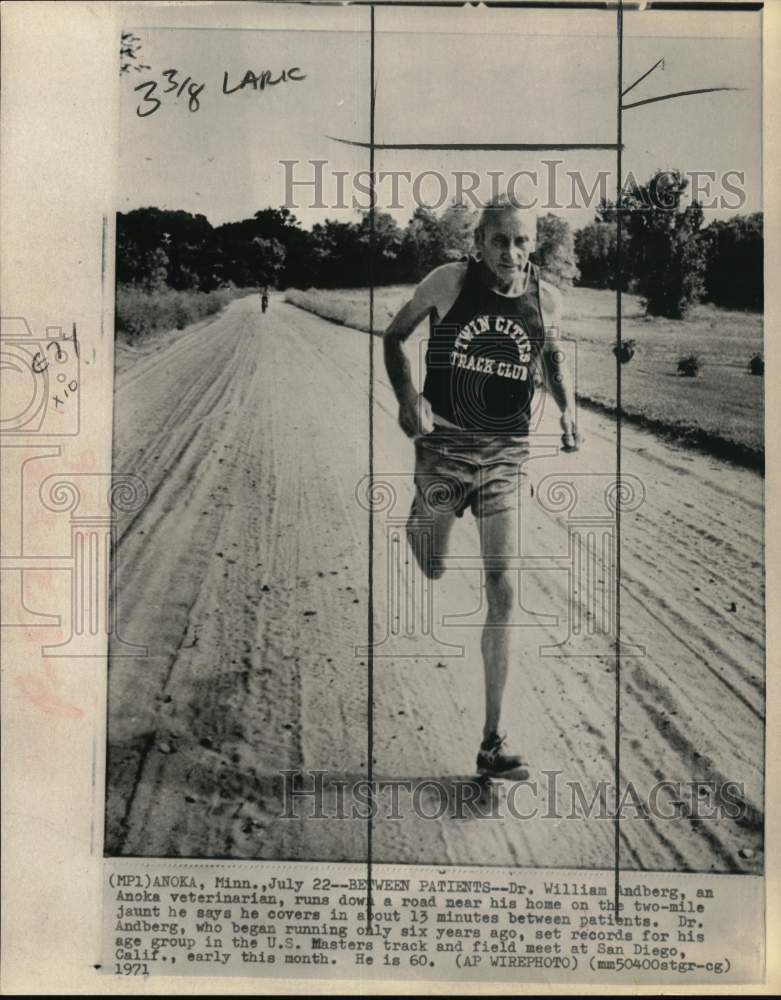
(689,365)
(627,351)
(139,312)
(756,365)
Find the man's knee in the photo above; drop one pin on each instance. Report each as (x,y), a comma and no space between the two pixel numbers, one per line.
(500,593)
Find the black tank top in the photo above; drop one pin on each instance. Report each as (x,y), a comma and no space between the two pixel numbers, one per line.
(481,356)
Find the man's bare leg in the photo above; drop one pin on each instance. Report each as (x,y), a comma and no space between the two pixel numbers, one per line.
(428,533)
(495,646)
(498,533)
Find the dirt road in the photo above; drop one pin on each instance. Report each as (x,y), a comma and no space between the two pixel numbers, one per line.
(246,576)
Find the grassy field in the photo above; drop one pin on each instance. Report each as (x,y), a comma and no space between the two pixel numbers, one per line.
(721,410)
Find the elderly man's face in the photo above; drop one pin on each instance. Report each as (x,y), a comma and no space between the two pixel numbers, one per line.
(505,243)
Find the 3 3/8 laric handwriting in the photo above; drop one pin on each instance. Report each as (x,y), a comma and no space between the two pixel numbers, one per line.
(192,91)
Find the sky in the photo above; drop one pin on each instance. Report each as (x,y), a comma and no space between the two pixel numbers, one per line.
(441,76)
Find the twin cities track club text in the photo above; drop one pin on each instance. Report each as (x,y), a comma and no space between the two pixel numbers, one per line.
(177,85)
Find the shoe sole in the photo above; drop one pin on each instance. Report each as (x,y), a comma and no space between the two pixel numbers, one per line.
(519,773)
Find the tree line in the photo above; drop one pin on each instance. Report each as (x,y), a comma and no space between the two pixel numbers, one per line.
(667,255)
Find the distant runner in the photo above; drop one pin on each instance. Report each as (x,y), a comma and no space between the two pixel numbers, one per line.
(491,319)
(264,299)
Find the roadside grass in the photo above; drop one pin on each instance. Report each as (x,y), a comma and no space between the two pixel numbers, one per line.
(720,410)
(350,306)
(139,313)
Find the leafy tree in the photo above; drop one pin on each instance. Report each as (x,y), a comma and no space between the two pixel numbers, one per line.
(235,239)
(276,223)
(140,266)
(423,246)
(280,224)
(340,255)
(667,252)
(386,239)
(606,211)
(457,227)
(187,242)
(734,274)
(258,262)
(596,255)
(555,250)
(430,240)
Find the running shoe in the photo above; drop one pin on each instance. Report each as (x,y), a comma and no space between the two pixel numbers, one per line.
(494,758)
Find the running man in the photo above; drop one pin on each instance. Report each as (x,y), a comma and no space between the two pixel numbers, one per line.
(491,319)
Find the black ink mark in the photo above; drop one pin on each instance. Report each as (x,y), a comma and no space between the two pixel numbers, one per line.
(679,93)
(71,388)
(194,92)
(59,354)
(491,146)
(40,362)
(170,74)
(148,99)
(259,81)
(640,79)
(174,84)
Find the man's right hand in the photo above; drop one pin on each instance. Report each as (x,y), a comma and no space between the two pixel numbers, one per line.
(570,439)
(415,415)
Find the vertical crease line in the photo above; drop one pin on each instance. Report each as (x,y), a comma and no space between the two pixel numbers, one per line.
(370,621)
(619,278)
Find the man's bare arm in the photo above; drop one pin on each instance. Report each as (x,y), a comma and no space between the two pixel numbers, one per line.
(396,362)
(435,293)
(558,372)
